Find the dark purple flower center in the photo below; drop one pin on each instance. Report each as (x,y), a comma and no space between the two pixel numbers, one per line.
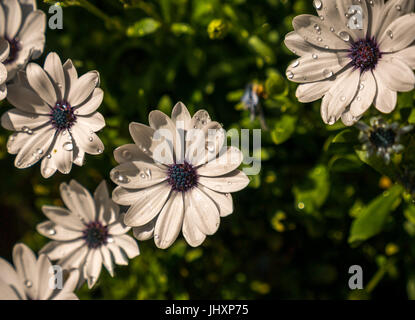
(62,116)
(182,177)
(95,234)
(382,138)
(365,54)
(15,46)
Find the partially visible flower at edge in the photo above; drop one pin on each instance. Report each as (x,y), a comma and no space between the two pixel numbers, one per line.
(30,278)
(23,27)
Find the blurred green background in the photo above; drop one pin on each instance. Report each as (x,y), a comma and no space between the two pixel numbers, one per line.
(291,234)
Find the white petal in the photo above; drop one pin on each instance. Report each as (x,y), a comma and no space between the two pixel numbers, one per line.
(317,33)
(83,88)
(26,100)
(130,152)
(193,236)
(44,290)
(202,212)
(339,96)
(62,152)
(16,120)
(343,8)
(149,203)
(3,88)
(399,35)
(166,129)
(169,222)
(79,200)
(119,256)
(107,260)
(93,267)
(308,92)
(128,245)
(180,114)
(40,83)
(86,139)
(14,17)
(407,55)
(225,163)
(92,103)
(9,277)
(53,66)
(231,182)
(200,119)
(365,95)
(59,249)
(105,207)
(316,67)
(94,122)
(385,99)
(391,13)
(71,76)
(138,174)
(297,44)
(25,263)
(143,138)
(3,21)
(74,257)
(56,232)
(395,74)
(4,51)
(223,201)
(32,32)
(35,148)
(16,141)
(63,217)
(146,231)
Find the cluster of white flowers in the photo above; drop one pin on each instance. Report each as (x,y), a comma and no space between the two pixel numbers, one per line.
(55,120)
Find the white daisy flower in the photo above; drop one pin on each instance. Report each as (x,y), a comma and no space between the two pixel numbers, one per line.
(31,278)
(55,116)
(352,64)
(87,234)
(4,53)
(179,190)
(23,26)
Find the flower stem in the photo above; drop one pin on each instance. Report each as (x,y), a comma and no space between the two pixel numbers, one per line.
(110,22)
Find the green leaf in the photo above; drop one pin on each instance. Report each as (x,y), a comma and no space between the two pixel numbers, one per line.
(311,194)
(283,129)
(371,219)
(143,27)
(378,164)
(262,49)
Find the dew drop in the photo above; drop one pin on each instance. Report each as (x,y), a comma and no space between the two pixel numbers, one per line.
(68,146)
(290,75)
(327,73)
(317,4)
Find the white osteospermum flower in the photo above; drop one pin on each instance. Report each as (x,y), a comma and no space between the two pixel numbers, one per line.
(4,53)
(87,234)
(178,191)
(30,279)
(23,26)
(353,68)
(55,116)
